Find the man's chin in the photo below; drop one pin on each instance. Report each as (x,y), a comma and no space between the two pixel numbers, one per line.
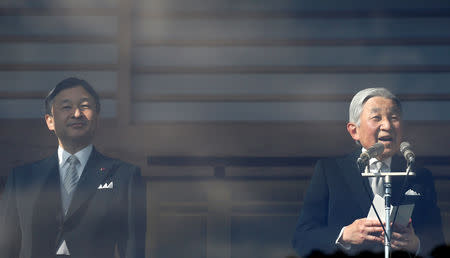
(387,153)
(80,138)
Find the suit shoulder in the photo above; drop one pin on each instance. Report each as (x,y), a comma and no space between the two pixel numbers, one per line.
(333,161)
(126,165)
(325,165)
(423,173)
(337,164)
(326,161)
(30,165)
(119,163)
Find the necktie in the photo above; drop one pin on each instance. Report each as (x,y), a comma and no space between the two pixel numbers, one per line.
(377,182)
(71,178)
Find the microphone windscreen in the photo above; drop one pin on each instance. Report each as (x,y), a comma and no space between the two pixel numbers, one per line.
(404,146)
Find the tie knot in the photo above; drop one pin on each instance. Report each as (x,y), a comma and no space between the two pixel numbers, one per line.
(381,166)
(72,160)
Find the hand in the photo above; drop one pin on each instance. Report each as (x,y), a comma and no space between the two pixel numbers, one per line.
(404,238)
(363,230)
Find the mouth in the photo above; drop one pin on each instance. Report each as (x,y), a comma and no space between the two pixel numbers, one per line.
(77,125)
(386,139)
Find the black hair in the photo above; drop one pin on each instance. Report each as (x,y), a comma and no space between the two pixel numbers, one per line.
(68,83)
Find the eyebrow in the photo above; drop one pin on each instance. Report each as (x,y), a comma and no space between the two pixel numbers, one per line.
(394,110)
(70,101)
(374,110)
(64,101)
(84,99)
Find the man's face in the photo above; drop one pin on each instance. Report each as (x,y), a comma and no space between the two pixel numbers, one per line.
(380,121)
(74,116)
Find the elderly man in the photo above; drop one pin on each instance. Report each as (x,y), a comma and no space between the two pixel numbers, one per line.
(336,204)
(77,202)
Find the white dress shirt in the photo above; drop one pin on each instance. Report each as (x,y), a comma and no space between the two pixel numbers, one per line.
(82,156)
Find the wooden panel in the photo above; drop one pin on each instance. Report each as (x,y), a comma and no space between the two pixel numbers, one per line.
(255,139)
(34,108)
(55,10)
(124,59)
(268,191)
(191,192)
(262,236)
(254,98)
(263,42)
(58,67)
(284,5)
(207,49)
(58,25)
(197,30)
(425,110)
(11,95)
(218,139)
(179,236)
(366,69)
(269,172)
(85,39)
(44,81)
(291,56)
(2,184)
(176,172)
(40,53)
(58,4)
(272,111)
(237,111)
(290,84)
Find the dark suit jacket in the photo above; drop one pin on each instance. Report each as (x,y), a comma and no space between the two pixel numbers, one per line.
(32,223)
(336,197)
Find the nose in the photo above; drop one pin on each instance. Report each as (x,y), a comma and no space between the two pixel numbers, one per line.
(385,124)
(77,112)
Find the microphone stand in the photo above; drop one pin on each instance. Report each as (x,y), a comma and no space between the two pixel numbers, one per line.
(387,201)
(387,215)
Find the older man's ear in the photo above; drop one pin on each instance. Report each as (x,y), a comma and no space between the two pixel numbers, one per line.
(352,129)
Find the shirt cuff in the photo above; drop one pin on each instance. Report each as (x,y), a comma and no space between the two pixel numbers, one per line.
(343,245)
(418,249)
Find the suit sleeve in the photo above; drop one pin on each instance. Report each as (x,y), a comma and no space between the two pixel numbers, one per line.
(312,231)
(426,216)
(10,233)
(134,244)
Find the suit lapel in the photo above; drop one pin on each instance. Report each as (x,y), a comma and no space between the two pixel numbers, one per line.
(46,214)
(96,170)
(398,165)
(39,175)
(357,183)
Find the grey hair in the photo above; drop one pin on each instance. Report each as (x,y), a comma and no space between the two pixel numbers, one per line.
(360,98)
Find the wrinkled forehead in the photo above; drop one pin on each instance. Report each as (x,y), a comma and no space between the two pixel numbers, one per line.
(392,107)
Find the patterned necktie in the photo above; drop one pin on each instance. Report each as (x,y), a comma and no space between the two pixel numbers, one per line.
(377,182)
(71,177)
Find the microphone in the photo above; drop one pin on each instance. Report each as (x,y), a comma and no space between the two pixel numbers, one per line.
(374,151)
(405,149)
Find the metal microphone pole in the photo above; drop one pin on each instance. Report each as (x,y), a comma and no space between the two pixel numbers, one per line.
(387,202)
(387,209)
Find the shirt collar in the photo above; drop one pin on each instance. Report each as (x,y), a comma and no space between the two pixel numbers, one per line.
(373,160)
(82,155)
